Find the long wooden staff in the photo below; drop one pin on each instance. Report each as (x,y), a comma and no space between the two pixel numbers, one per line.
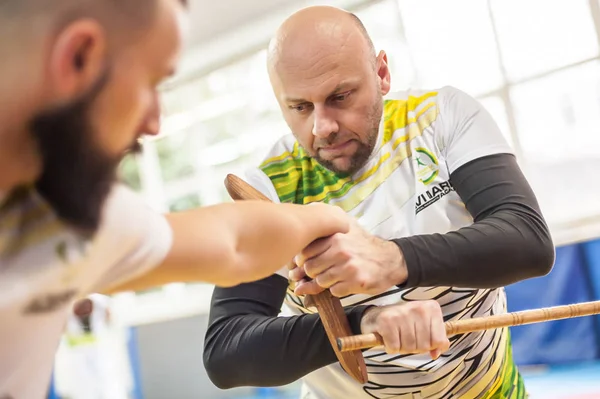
(329,307)
(365,341)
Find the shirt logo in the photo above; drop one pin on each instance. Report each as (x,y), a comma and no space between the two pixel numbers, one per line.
(433,195)
(427,165)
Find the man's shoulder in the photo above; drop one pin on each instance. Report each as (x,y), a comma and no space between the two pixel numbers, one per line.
(286,148)
(282,169)
(286,160)
(127,214)
(120,199)
(133,237)
(401,108)
(422,94)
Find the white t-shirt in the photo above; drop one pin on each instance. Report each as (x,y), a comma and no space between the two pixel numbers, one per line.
(45,267)
(404,190)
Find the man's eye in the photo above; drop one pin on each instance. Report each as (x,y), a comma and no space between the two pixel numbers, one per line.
(300,107)
(341,97)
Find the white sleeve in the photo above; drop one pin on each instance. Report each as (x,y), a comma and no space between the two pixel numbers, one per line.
(260,181)
(466,130)
(133,237)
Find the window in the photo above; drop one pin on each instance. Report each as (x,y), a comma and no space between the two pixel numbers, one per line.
(224,121)
(189,201)
(496,107)
(558,116)
(453,44)
(536,36)
(176,156)
(382,21)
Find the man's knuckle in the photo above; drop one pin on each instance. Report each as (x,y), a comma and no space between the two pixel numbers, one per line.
(336,240)
(321,280)
(387,318)
(309,268)
(345,253)
(362,281)
(418,312)
(354,269)
(337,291)
(433,305)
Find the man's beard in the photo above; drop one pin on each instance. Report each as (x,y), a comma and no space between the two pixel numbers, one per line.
(77,174)
(364,150)
(358,159)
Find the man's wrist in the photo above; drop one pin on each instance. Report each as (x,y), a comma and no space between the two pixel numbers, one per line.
(366,322)
(399,272)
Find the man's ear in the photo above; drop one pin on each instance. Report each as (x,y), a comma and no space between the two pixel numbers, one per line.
(77,58)
(383,72)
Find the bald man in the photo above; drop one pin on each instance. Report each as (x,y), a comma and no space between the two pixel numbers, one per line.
(444,219)
(77,89)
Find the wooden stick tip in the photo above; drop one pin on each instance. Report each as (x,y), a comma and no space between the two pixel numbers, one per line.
(229,177)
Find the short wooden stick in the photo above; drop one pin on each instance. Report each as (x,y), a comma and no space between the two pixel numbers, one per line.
(330,308)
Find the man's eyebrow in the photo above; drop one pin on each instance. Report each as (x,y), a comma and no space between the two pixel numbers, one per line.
(339,88)
(294,100)
(343,86)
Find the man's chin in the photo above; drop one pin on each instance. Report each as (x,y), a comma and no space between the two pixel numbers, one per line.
(342,167)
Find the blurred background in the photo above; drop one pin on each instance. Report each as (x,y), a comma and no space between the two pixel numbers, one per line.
(534,64)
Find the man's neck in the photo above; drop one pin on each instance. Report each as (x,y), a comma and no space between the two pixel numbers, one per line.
(19,158)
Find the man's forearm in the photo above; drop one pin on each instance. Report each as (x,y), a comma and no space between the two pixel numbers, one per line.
(228,244)
(508,242)
(248,345)
(234,243)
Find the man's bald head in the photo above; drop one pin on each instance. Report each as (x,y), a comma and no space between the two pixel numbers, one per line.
(312,27)
(363,30)
(329,83)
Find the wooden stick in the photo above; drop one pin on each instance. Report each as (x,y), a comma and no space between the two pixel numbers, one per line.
(365,341)
(329,307)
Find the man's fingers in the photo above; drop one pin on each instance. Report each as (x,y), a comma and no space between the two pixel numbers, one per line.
(391,336)
(421,327)
(317,265)
(296,274)
(342,289)
(408,335)
(439,340)
(329,277)
(308,288)
(418,327)
(435,353)
(292,265)
(315,248)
